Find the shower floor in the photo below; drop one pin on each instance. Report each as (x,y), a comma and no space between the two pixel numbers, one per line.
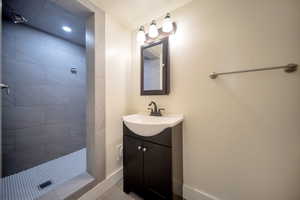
(24,185)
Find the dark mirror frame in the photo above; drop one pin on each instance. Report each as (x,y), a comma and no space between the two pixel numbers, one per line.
(166,69)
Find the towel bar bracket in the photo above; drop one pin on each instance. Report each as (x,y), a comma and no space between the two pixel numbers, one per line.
(291,68)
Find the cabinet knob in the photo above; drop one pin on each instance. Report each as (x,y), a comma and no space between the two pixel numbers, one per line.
(144,149)
(139,148)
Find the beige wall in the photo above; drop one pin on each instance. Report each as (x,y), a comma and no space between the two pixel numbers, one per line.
(118,57)
(241,132)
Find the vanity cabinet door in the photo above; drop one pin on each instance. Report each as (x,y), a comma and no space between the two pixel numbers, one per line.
(157,171)
(133,165)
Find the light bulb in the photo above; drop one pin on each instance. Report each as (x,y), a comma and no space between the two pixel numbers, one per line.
(153,32)
(167,26)
(141,37)
(67,29)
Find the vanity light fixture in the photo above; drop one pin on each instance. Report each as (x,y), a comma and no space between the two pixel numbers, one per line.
(141,35)
(167,25)
(153,31)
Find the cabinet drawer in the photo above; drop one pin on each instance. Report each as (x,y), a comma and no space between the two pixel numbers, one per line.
(163,138)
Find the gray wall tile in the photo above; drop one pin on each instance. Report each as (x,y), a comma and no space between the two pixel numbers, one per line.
(10,167)
(27,95)
(23,73)
(9,142)
(44,115)
(54,95)
(29,139)
(25,159)
(55,114)
(18,117)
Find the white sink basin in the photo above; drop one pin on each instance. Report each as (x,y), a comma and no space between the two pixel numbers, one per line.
(147,126)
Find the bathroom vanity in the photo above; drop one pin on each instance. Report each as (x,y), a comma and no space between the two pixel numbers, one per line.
(153,166)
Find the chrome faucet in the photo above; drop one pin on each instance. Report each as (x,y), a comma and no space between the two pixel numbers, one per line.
(155,111)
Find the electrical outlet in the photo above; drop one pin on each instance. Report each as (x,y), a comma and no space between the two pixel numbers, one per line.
(119,148)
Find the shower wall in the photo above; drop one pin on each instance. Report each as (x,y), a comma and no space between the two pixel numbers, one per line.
(44,114)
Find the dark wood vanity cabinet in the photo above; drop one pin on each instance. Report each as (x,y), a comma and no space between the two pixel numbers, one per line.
(153,165)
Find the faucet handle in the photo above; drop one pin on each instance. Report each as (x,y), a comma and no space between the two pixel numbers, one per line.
(159,111)
(150,109)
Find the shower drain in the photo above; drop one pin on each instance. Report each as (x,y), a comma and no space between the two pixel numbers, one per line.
(45,184)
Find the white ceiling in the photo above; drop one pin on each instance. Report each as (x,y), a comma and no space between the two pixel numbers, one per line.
(133,13)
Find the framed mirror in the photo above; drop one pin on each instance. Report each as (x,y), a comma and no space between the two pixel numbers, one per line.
(155,68)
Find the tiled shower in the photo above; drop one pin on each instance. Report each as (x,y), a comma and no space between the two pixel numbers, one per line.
(43,116)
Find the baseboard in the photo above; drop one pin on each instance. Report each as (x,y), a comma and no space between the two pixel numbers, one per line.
(102,187)
(190,193)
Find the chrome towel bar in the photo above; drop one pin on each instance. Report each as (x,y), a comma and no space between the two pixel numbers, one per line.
(287,68)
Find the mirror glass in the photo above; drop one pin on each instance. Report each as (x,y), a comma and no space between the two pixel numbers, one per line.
(153,67)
